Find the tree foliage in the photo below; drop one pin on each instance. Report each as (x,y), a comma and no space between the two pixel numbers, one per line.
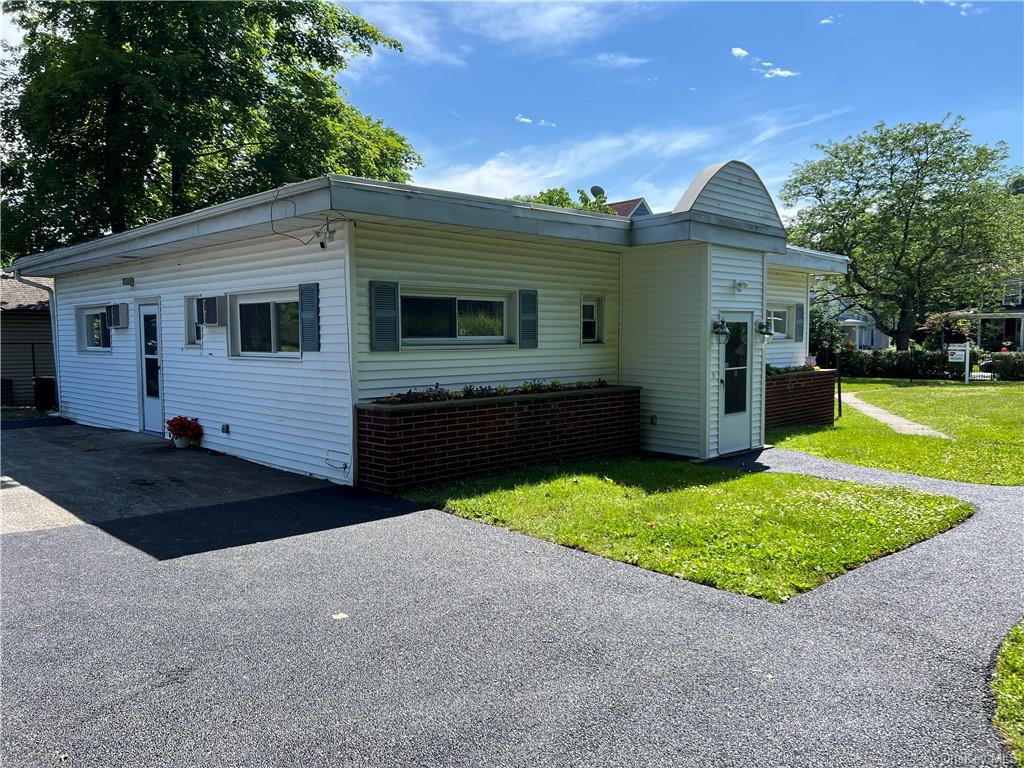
(559,197)
(121,113)
(924,214)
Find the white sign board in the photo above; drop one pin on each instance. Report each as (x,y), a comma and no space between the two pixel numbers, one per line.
(960,353)
(957,353)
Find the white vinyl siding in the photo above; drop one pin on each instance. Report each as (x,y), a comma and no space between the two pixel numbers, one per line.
(461,263)
(737,192)
(664,306)
(727,266)
(787,289)
(293,414)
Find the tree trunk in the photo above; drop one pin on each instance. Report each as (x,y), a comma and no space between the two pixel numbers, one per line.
(178,203)
(113,119)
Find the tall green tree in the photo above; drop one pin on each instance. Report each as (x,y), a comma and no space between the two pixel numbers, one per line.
(120,113)
(924,214)
(559,197)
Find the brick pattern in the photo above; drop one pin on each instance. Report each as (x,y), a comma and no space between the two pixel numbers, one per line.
(403,446)
(804,397)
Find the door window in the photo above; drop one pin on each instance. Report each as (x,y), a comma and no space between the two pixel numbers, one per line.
(736,350)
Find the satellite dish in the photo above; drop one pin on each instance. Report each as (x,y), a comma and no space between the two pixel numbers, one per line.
(597,191)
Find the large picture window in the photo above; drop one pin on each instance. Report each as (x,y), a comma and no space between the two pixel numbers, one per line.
(449,319)
(265,324)
(93,332)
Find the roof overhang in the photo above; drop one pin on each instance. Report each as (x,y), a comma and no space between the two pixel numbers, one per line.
(810,261)
(292,208)
(1011,314)
(303,208)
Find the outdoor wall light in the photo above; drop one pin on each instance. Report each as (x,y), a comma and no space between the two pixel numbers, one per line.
(765,329)
(720,329)
(739,285)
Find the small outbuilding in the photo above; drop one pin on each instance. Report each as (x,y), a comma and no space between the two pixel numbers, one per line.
(290,321)
(26,360)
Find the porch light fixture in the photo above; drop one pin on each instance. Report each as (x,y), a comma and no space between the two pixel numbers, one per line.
(765,329)
(720,330)
(739,285)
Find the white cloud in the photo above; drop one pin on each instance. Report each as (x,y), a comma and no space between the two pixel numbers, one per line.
(779,72)
(417,30)
(617,61)
(546,123)
(827,20)
(536,24)
(530,168)
(739,53)
(523,119)
(541,122)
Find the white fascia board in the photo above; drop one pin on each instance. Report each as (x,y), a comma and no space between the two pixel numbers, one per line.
(354,197)
(247,217)
(812,262)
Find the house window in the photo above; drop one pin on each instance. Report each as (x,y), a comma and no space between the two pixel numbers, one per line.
(778,321)
(94,334)
(265,324)
(193,328)
(430,319)
(591,320)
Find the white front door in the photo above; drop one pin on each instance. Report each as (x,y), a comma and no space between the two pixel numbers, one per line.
(734,425)
(149,340)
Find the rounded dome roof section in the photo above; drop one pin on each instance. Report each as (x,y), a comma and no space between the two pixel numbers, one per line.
(731,189)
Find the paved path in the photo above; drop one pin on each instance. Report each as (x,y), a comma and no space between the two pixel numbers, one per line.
(891,420)
(127,643)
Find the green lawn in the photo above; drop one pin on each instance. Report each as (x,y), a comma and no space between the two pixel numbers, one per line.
(765,535)
(985,420)
(1008,689)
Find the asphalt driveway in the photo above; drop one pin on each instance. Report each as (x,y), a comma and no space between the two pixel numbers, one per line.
(166,608)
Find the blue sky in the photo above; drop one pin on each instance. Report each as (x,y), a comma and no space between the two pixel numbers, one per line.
(506,98)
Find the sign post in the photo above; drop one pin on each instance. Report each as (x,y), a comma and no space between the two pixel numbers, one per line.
(960,353)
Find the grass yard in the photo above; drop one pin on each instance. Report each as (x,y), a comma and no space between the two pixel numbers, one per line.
(1008,689)
(771,536)
(984,419)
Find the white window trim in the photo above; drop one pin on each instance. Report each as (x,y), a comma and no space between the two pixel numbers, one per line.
(458,294)
(82,332)
(790,310)
(190,323)
(277,295)
(598,303)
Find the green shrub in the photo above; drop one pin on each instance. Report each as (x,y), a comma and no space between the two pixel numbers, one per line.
(1008,366)
(893,364)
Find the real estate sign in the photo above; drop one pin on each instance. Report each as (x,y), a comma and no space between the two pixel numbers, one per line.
(960,353)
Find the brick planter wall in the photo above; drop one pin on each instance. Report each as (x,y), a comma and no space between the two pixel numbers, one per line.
(403,446)
(803,397)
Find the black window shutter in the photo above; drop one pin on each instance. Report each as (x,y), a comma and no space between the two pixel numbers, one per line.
(798,323)
(383,316)
(528,328)
(309,317)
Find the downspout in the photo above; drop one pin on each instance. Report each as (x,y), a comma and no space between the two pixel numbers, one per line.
(53,331)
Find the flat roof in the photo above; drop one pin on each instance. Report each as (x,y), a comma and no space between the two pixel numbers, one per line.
(307,206)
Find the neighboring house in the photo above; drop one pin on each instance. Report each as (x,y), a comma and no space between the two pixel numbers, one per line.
(1003,327)
(628,208)
(25,338)
(860,332)
(270,317)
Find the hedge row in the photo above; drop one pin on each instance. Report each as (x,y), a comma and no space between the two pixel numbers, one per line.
(924,364)
(1008,366)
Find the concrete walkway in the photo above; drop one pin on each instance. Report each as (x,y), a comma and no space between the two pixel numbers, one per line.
(891,420)
(163,634)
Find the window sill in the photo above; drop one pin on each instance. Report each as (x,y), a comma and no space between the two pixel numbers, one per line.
(407,346)
(268,356)
(96,350)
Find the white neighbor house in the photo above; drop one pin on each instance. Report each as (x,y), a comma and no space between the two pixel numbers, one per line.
(271,316)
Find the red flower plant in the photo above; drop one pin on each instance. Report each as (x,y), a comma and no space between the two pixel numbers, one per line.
(183,426)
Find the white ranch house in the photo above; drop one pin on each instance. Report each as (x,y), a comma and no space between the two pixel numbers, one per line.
(271,317)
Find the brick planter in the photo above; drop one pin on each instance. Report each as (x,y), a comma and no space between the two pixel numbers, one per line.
(407,445)
(803,397)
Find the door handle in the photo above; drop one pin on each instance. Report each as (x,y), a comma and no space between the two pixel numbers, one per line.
(722,382)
